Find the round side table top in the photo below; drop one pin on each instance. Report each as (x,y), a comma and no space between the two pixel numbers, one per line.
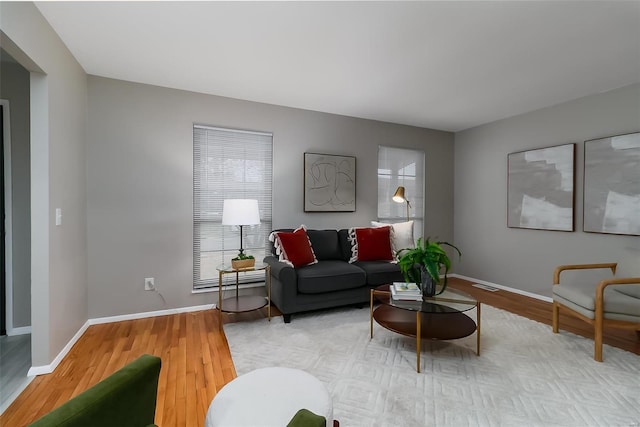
(269,397)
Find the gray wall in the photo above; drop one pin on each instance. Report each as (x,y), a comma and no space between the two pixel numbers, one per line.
(525,259)
(139,163)
(58,178)
(14,86)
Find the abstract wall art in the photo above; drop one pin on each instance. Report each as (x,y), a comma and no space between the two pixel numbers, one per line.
(612,185)
(329,183)
(540,188)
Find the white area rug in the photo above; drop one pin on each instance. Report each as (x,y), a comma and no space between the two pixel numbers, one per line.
(525,375)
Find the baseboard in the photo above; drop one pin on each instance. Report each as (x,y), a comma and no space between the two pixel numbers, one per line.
(504,288)
(23,330)
(134,316)
(47,369)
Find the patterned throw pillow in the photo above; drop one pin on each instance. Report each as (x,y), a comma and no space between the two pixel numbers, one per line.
(293,248)
(371,244)
(401,235)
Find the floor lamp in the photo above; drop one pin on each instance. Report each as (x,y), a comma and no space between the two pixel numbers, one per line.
(399,197)
(240,212)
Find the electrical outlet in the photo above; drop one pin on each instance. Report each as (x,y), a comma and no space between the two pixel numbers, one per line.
(149,284)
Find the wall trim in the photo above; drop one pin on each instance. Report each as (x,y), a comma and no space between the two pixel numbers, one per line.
(504,288)
(47,369)
(8,215)
(134,316)
(22,330)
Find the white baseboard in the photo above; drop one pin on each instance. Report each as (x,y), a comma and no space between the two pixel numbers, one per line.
(504,288)
(47,369)
(134,316)
(23,330)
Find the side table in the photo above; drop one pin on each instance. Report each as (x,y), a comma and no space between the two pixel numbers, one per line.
(243,303)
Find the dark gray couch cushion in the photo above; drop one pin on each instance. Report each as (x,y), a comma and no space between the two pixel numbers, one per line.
(329,276)
(325,244)
(380,272)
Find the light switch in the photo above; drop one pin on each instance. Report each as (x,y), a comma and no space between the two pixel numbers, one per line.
(58,216)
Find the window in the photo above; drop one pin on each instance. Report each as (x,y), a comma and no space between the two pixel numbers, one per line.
(228,164)
(401,167)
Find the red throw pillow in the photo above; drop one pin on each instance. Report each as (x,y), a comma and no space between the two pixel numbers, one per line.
(294,248)
(371,244)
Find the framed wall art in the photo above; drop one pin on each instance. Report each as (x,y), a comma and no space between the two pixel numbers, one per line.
(612,185)
(540,188)
(329,183)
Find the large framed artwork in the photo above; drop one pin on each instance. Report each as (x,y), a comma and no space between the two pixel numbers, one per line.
(612,185)
(329,183)
(540,188)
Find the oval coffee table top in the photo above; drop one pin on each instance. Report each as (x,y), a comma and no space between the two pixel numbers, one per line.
(450,301)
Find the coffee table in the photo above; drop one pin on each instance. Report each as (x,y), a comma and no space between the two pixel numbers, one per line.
(441,317)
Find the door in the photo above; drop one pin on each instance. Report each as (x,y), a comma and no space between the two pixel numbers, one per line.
(3,282)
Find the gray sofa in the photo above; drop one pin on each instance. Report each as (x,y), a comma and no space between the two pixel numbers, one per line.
(332,281)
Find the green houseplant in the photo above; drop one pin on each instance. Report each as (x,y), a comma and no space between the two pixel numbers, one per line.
(243,261)
(422,265)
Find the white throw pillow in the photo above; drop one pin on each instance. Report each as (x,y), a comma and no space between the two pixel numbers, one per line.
(401,236)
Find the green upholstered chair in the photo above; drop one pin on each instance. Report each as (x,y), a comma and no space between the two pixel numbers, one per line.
(127,398)
(306,418)
(611,302)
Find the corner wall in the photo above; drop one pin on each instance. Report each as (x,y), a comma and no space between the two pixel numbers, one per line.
(58,178)
(140,182)
(525,259)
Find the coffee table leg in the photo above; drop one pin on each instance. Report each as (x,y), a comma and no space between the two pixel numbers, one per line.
(478,330)
(371,312)
(418,335)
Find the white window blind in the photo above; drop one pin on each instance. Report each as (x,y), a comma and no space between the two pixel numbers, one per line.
(228,164)
(401,167)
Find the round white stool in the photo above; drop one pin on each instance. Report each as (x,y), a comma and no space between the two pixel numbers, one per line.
(268,397)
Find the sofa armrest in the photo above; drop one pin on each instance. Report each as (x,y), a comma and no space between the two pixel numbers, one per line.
(281,271)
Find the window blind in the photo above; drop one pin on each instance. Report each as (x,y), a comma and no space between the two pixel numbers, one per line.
(401,167)
(229,164)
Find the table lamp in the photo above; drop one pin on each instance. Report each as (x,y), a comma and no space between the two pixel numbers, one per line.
(240,212)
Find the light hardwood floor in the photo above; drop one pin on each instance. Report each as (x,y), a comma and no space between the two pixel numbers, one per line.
(196,361)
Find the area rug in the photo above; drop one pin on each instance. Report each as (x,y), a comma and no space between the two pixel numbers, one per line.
(525,375)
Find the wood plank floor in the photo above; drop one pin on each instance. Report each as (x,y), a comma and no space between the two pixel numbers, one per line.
(196,361)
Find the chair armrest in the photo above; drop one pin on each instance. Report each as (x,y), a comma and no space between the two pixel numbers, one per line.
(561,268)
(608,282)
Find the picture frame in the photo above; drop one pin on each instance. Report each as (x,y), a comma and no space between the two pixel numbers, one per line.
(329,183)
(611,191)
(541,188)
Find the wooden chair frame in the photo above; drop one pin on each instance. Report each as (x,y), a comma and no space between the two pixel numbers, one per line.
(598,322)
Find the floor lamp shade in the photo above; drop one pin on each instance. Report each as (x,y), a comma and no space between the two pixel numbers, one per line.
(240,212)
(399,197)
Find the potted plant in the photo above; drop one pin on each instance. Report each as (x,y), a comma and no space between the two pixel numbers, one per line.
(243,261)
(422,265)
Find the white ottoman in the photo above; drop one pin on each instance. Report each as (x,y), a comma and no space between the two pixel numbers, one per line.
(268,397)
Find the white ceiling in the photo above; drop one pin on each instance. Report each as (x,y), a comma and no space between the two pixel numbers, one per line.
(442,65)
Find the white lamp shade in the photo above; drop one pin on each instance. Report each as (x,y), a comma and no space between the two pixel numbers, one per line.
(240,212)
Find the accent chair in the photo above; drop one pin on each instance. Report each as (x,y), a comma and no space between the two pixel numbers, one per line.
(611,302)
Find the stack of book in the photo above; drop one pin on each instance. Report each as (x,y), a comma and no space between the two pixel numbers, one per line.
(405,291)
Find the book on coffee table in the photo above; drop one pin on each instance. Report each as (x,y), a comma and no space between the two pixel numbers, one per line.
(405,291)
